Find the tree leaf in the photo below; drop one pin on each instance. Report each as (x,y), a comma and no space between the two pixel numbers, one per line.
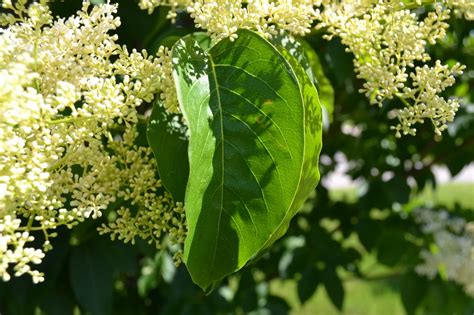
(334,288)
(302,51)
(276,305)
(167,138)
(58,301)
(297,50)
(255,136)
(308,283)
(325,89)
(412,291)
(92,278)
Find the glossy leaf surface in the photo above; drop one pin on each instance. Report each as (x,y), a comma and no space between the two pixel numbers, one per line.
(255,135)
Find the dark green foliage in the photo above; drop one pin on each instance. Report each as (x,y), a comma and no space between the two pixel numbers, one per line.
(167,131)
(91,278)
(308,283)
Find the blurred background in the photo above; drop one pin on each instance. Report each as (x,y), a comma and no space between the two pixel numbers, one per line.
(352,249)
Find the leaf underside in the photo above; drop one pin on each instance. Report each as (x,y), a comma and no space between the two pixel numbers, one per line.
(167,138)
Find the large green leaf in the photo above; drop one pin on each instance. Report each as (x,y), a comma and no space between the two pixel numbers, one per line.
(302,51)
(255,135)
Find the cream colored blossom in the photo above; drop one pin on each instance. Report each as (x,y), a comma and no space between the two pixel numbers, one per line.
(462,8)
(222,18)
(388,40)
(425,102)
(453,250)
(68,128)
(13,250)
(173,5)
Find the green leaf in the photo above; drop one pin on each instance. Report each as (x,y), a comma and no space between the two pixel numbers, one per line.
(325,89)
(58,301)
(393,248)
(202,39)
(247,296)
(308,284)
(276,306)
(412,291)
(167,138)
(255,136)
(334,288)
(309,60)
(92,278)
(298,51)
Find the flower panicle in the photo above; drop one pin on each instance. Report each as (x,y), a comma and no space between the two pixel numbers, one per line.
(68,129)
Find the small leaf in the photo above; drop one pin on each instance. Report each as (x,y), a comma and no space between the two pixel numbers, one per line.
(246,296)
(255,136)
(277,305)
(202,39)
(334,289)
(167,138)
(412,290)
(308,284)
(393,248)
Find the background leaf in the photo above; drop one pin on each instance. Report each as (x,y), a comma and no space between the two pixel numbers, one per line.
(91,278)
(333,285)
(167,138)
(308,283)
(325,89)
(412,290)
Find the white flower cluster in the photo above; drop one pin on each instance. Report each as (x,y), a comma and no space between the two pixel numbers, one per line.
(222,18)
(68,128)
(452,252)
(159,217)
(462,8)
(427,84)
(19,255)
(173,5)
(387,41)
